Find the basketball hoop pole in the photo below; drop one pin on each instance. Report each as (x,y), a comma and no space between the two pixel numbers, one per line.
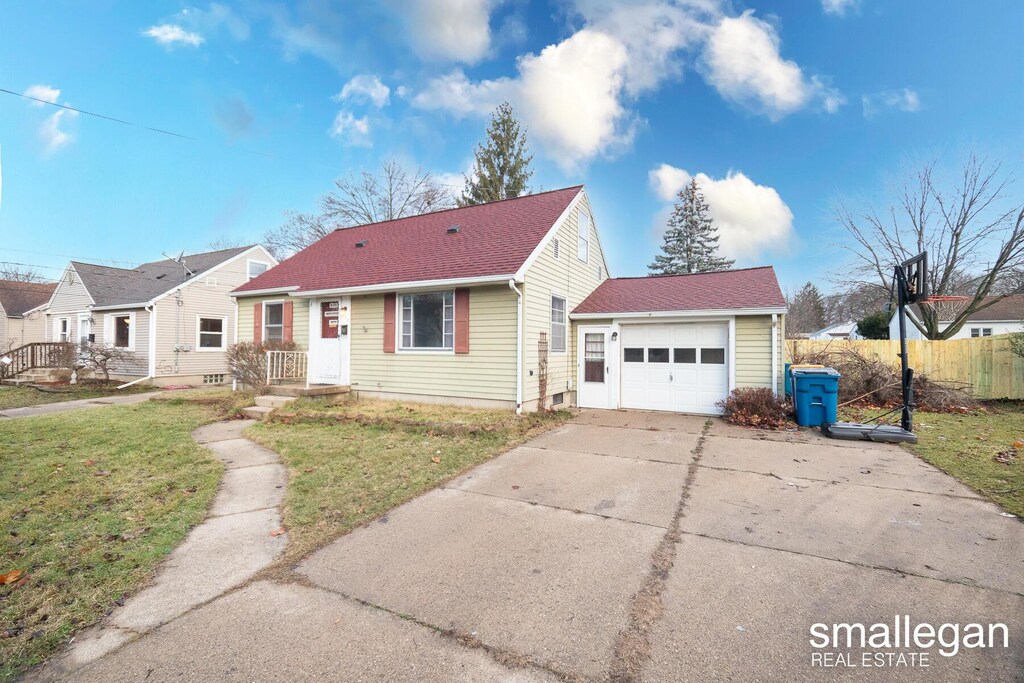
(906,373)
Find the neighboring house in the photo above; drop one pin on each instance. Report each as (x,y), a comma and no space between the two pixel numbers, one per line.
(484,305)
(174,317)
(1002,317)
(847,330)
(22,319)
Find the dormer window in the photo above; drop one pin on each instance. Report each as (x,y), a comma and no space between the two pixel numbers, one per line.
(257,268)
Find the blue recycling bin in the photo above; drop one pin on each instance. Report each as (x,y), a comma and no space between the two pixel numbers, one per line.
(815,395)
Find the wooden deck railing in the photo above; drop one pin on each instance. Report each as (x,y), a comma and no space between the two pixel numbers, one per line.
(36,355)
(285,366)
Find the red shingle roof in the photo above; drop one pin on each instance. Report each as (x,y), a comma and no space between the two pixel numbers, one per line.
(493,239)
(724,290)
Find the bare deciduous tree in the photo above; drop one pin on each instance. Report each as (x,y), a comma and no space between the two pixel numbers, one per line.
(975,243)
(394,192)
(19,273)
(103,358)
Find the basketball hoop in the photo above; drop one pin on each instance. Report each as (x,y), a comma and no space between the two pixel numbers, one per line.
(946,306)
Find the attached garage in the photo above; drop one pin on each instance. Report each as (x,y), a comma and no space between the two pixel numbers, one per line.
(679,343)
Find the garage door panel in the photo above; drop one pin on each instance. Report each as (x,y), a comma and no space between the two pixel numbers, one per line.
(685,383)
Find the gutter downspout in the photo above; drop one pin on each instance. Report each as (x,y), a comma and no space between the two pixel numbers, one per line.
(519,346)
(775,354)
(151,309)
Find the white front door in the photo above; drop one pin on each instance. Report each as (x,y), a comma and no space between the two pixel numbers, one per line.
(594,368)
(84,329)
(329,321)
(679,367)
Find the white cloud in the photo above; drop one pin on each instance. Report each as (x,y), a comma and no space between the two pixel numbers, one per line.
(351,130)
(839,8)
(46,93)
(448,30)
(365,87)
(172,34)
(217,16)
(667,181)
(752,219)
(905,100)
(576,96)
(743,63)
(51,133)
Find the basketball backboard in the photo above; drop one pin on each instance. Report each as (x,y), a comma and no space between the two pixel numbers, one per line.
(915,278)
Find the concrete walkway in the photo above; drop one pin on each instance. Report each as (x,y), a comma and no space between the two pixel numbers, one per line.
(228,548)
(79,404)
(623,546)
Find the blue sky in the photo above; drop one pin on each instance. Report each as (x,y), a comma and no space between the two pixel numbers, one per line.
(777,107)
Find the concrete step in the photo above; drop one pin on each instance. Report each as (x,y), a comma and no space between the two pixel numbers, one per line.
(303,390)
(16,381)
(257,412)
(274,401)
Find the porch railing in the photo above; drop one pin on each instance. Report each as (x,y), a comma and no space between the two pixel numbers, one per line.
(36,355)
(286,366)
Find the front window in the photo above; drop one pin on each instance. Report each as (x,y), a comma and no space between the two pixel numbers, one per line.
(557,324)
(428,320)
(583,230)
(981,331)
(273,322)
(122,331)
(62,334)
(211,333)
(257,268)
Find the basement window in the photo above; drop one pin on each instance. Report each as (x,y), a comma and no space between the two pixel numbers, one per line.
(558,399)
(213,379)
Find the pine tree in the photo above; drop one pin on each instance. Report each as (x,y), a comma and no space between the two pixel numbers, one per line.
(501,168)
(691,241)
(807,311)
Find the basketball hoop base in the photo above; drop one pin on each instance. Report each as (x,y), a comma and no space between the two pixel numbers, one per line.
(854,431)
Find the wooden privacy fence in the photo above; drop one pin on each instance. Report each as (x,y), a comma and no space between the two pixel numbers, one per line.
(986,363)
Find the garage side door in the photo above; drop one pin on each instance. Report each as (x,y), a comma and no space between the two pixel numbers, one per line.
(676,367)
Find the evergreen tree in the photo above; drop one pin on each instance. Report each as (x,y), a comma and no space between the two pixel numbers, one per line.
(501,169)
(874,326)
(807,311)
(691,241)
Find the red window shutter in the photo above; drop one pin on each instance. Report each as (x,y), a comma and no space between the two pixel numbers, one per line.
(257,322)
(389,322)
(286,311)
(462,320)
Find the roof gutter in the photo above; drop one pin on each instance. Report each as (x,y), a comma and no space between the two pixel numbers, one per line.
(262,292)
(398,286)
(699,313)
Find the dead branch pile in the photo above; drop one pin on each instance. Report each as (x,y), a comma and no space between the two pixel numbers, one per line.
(872,381)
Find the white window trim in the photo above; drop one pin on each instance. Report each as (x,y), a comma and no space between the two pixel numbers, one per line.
(444,351)
(57,331)
(109,333)
(223,336)
(249,262)
(565,322)
(580,240)
(263,321)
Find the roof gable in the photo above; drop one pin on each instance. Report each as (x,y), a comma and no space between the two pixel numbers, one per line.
(718,291)
(492,240)
(17,298)
(109,286)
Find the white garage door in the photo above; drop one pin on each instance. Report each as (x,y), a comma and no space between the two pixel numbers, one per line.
(680,367)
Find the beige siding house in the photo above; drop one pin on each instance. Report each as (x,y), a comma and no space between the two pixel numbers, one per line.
(22,320)
(510,304)
(175,318)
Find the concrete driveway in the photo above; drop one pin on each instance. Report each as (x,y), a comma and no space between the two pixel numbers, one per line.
(625,546)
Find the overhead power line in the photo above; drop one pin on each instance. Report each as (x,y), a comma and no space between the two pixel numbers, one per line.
(99,116)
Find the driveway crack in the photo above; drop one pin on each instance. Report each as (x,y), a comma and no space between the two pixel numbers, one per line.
(632,645)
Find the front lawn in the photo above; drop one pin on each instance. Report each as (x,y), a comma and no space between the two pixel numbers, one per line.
(23,396)
(90,502)
(348,464)
(984,449)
